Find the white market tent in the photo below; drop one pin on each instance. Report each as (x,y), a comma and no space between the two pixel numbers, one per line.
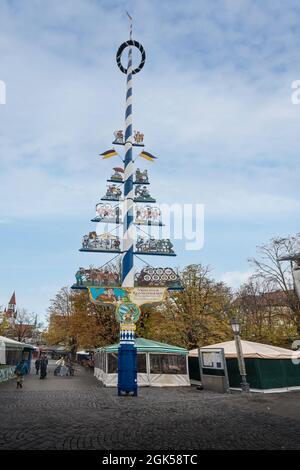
(12,342)
(11,352)
(253,350)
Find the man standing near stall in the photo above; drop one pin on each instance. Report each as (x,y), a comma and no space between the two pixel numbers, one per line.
(21,370)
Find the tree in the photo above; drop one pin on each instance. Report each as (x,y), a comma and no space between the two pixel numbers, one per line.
(196,316)
(24,326)
(4,324)
(96,325)
(74,321)
(277,274)
(263,313)
(60,314)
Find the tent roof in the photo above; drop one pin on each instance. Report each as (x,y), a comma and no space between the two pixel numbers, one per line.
(148,345)
(253,350)
(13,342)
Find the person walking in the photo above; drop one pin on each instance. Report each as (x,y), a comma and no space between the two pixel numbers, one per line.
(21,370)
(62,365)
(37,366)
(43,367)
(69,366)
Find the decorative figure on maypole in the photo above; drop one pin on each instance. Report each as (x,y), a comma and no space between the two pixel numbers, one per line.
(119,137)
(117,175)
(141,177)
(127,202)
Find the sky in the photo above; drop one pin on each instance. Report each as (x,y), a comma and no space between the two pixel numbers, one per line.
(213,101)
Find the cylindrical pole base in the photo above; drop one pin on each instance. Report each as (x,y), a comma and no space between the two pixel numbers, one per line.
(127,370)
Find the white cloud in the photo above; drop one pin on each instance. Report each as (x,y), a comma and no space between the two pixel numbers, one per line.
(235,278)
(213,102)
(212,127)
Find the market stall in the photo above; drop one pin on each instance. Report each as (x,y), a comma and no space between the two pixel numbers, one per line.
(11,352)
(158,364)
(269,368)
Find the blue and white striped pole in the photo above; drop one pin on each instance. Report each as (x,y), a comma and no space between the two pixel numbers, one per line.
(127,363)
(128,227)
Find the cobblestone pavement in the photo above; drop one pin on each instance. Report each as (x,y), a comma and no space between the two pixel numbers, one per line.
(78,413)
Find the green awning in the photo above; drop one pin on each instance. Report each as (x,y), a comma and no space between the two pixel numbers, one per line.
(148,345)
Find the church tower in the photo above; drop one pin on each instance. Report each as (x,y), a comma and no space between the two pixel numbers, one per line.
(11,311)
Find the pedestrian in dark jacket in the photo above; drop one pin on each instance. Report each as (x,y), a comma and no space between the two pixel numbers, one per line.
(37,366)
(43,367)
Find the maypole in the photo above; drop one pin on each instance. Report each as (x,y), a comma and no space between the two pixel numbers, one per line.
(127,370)
(128,228)
(127,291)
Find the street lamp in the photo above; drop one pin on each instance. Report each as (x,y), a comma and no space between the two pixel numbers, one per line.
(235,325)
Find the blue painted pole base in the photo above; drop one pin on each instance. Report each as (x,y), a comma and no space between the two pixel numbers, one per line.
(127,370)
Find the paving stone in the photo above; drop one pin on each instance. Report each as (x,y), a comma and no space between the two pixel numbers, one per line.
(79,413)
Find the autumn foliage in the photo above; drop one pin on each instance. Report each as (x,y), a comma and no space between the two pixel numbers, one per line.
(198,315)
(76,322)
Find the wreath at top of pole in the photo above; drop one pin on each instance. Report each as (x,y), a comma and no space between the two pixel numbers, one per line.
(131,42)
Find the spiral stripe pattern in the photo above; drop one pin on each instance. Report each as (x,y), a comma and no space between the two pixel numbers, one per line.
(128,234)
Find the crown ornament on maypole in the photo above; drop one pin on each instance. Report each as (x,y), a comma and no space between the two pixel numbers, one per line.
(127,202)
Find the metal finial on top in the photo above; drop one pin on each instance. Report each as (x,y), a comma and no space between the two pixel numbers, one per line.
(130,17)
(130,42)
